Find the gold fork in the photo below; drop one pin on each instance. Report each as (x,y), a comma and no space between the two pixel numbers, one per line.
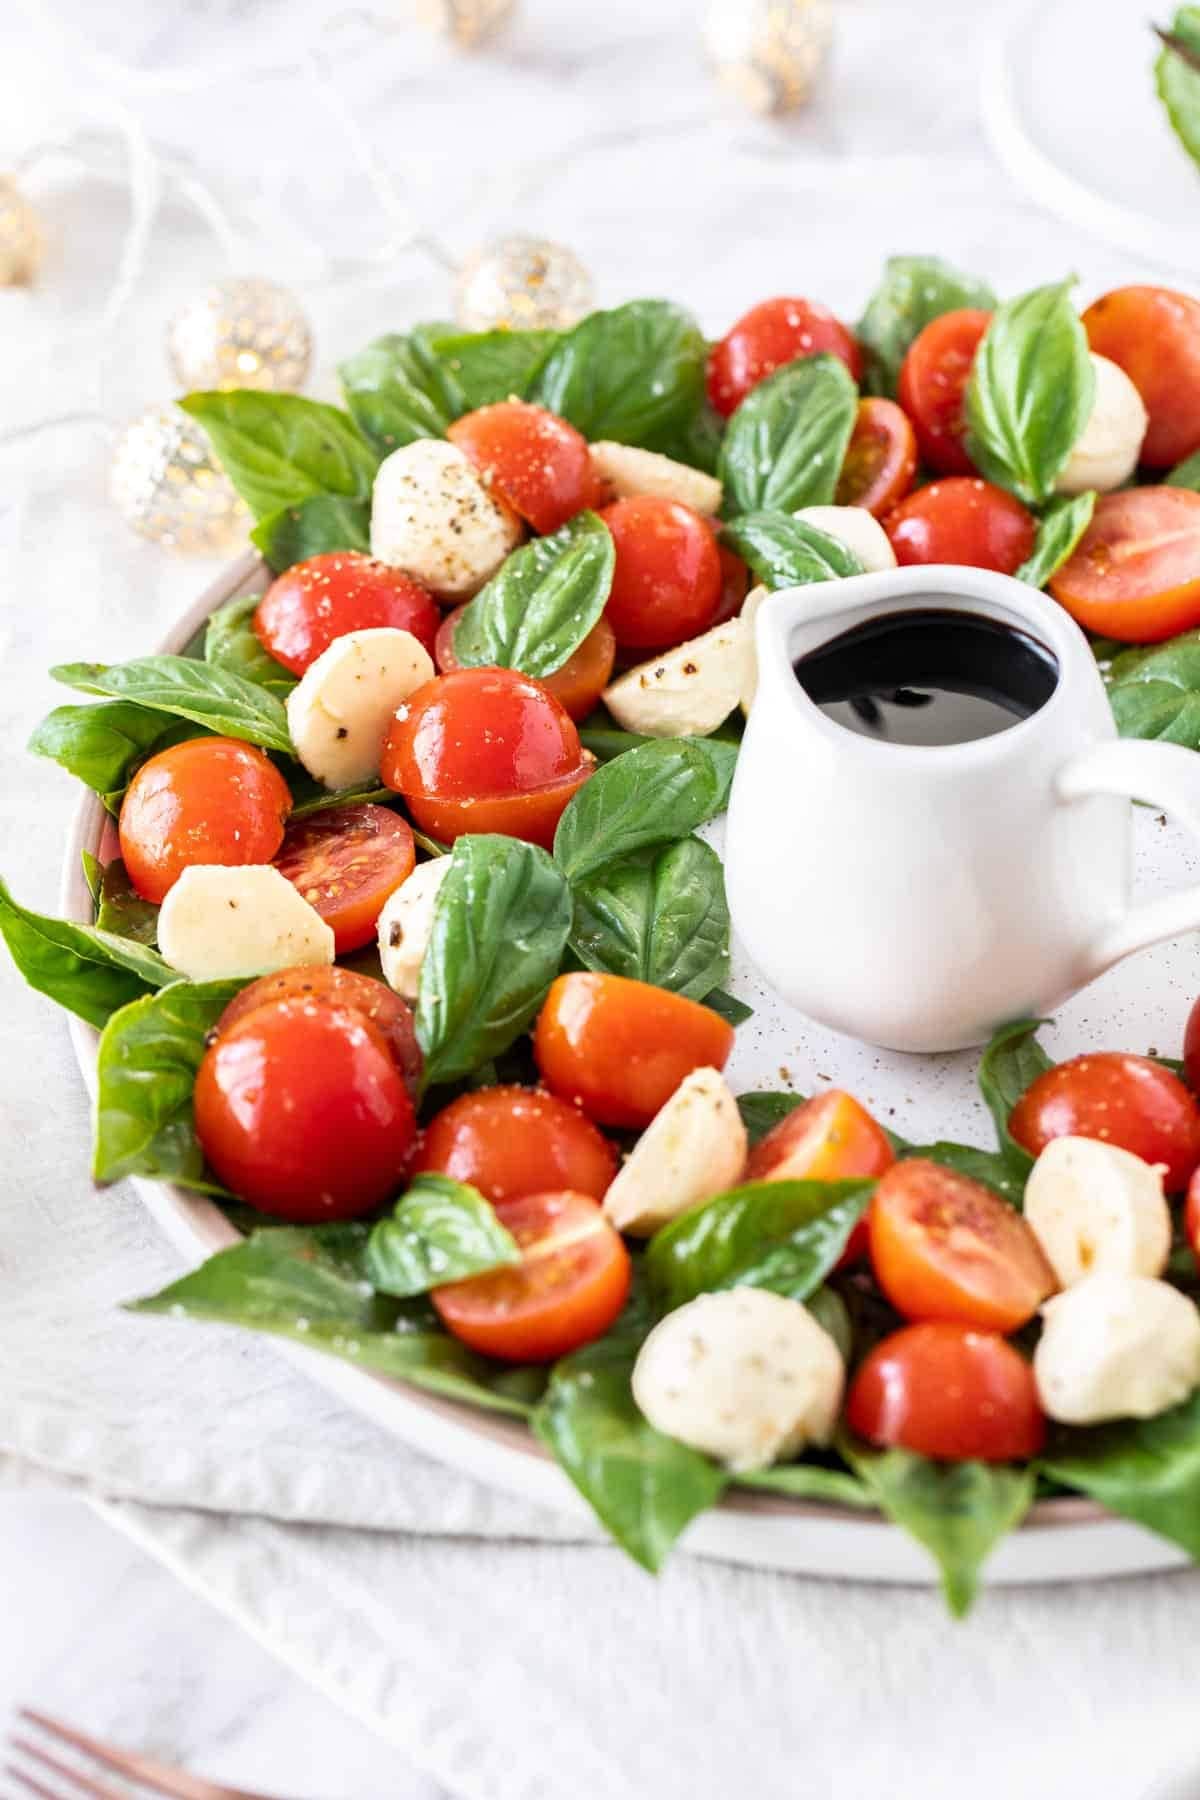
(38,1769)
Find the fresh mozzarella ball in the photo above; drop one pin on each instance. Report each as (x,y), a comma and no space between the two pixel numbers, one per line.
(432,516)
(857,529)
(406,925)
(748,614)
(339,712)
(219,923)
(693,1148)
(688,691)
(746,1376)
(1107,453)
(1116,1347)
(623,471)
(1095,1208)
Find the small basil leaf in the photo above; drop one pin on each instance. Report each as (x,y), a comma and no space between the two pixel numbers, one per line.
(1155,692)
(1059,530)
(1143,1469)
(536,611)
(1012,1062)
(1178,78)
(1030,393)
(440,1230)
(914,291)
(785,444)
(230,642)
(310,528)
(279,449)
(93,973)
(398,389)
(493,365)
(122,910)
(655,794)
(634,374)
(215,698)
(728,1007)
(102,745)
(658,916)
(812,1481)
(762,1112)
(308,796)
(1186,474)
(93,874)
(833,1316)
(787,552)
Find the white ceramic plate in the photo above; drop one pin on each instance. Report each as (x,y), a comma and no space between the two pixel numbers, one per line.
(1139,1006)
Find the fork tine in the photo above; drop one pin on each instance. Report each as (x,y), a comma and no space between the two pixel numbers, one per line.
(80,1779)
(176,1784)
(26,1781)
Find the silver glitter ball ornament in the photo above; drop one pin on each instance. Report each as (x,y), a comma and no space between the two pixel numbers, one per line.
(521,283)
(167,484)
(20,236)
(240,333)
(465,22)
(768,52)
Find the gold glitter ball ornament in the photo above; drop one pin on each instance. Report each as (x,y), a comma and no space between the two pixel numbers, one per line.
(20,236)
(240,333)
(523,283)
(465,22)
(167,484)
(768,52)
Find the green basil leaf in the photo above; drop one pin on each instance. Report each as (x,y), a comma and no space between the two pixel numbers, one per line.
(914,291)
(122,910)
(762,1112)
(103,744)
(1178,79)
(655,794)
(280,449)
(1186,474)
(811,1481)
(1142,1469)
(536,611)
(1155,692)
(992,1167)
(1059,530)
(399,389)
(311,527)
(499,931)
(787,552)
(93,874)
(634,374)
(728,1007)
(698,442)
(833,1316)
(1030,393)
(493,365)
(1012,1062)
(231,642)
(440,1230)
(215,698)
(658,916)
(93,973)
(785,444)
(308,796)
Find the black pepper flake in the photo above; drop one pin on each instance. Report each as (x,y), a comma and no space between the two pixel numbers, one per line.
(395,937)
(342,732)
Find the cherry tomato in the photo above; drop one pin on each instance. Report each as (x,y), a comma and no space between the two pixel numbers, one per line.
(1191,1214)
(207,800)
(533,459)
(1135,573)
(302,1112)
(667,582)
(773,333)
(830,1138)
(1154,334)
(512,1141)
(374,1000)
(962,520)
(945,1391)
(567,1289)
(580,681)
(320,599)
(345,861)
(735,585)
(620,1048)
(1191,1048)
(1129,1101)
(933,385)
(881,459)
(946,1247)
(485,750)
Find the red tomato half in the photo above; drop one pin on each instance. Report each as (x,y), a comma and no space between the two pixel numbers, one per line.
(933,386)
(946,1391)
(881,458)
(735,585)
(207,800)
(771,334)
(1135,573)
(374,1000)
(962,520)
(668,579)
(346,861)
(829,1138)
(512,1141)
(533,459)
(577,685)
(1154,334)
(567,1289)
(315,601)
(1129,1101)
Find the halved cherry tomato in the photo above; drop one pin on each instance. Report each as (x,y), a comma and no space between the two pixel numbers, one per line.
(946,1247)
(577,685)
(346,861)
(391,1016)
(207,800)
(1191,1048)
(1154,334)
(881,459)
(533,459)
(302,1112)
(945,1391)
(735,585)
(320,599)
(962,520)
(567,1289)
(1135,573)
(773,333)
(620,1048)
(667,582)
(1130,1101)
(829,1138)
(511,1141)
(933,384)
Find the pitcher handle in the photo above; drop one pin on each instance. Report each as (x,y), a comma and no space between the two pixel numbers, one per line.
(1165,775)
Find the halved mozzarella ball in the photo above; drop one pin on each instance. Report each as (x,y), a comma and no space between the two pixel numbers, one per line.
(432,516)
(688,691)
(1116,1347)
(857,529)
(747,1376)
(1107,451)
(406,925)
(622,471)
(339,711)
(693,1148)
(1095,1208)
(218,923)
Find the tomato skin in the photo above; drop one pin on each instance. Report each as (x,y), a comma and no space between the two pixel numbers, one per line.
(577,685)
(1153,333)
(933,385)
(1191,1047)
(946,1391)
(533,459)
(513,1141)
(962,520)
(668,579)
(735,584)
(533,817)
(320,599)
(555,1300)
(207,800)
(1130,1101)
(391,1016)
(830,1138)
(619,1048)
(881,459)
(771,334)
(345,861)
(1135,573)
(302,1112)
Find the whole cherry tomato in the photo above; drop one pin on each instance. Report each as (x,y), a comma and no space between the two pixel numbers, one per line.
(1135,573)
(577,684)
(1191,1048)
(667,582)
(1154,334)
(320,599)
(391,1016)
(345,861)
(533,459)
(881,458)
(946,1391)
(829,1138)
(512,1141)
(771,334)
(933,385)
(207,800)
(962,520)
(1130,1101)
(735,585)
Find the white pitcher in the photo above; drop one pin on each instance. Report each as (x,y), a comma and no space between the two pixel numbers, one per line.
(917,896)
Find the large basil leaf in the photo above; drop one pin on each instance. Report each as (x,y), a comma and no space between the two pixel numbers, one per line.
(279,449)
(440,1230)
(1030,393)
(121,909)
(914,291)
(499,931)
(1155,692)
(634,374)
(762,1112)
(91,972)
(231,642)
(787,552)
(536,611)
(1059,531)
(698,443)
(658,916)
(493,365)
(1012,1062)
(655,794)
(103,744)
(812,1481)
(1186,474)
(311,527)
(1177,76)
(398,389)
(1143,1469)
(215,698)
(785,444)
